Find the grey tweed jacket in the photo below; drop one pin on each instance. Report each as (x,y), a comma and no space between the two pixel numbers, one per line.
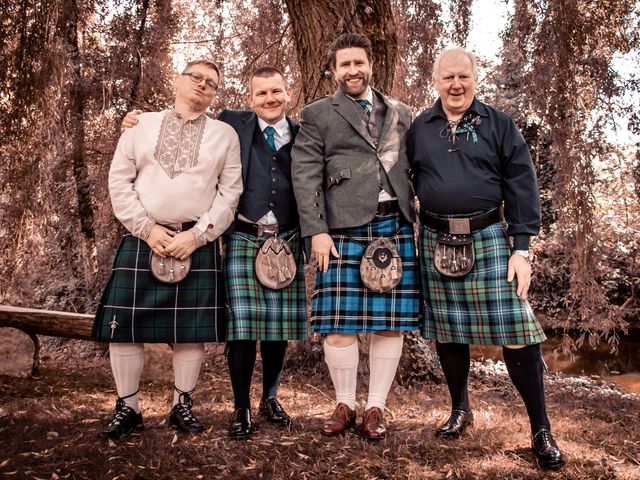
(335,164)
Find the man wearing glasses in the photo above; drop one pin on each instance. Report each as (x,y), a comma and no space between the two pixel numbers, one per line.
(174,182)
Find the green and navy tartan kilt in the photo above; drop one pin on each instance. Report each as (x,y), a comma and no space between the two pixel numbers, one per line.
(343,304)
(135,307)
(481,307)
(254,311)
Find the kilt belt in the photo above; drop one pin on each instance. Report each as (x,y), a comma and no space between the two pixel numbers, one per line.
(481,307)
(342,304)
(454,224)
(135,307)
(255,312)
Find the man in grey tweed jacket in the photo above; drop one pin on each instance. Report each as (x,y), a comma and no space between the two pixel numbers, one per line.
(350,177)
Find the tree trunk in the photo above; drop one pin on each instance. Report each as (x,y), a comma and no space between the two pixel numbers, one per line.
(74,127)
(316,25)
(137,77)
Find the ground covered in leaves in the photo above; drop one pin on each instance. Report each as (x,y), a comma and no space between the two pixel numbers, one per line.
(48,427)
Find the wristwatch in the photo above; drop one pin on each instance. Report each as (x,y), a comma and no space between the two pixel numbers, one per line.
(523,253)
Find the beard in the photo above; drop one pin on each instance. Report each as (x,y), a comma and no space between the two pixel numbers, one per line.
(354,91)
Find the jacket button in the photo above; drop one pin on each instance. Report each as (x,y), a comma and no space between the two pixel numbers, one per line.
(316,204)
(274,180)
(271,204)
(273,192)
(273,169)
(319,215)
(274,158)
(317,194)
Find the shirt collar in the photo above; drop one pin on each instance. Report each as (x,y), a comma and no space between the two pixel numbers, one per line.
(368,97)
(177,115)
(437,111)
(281,126)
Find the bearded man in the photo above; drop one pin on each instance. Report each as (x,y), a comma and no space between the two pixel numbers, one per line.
(350,177)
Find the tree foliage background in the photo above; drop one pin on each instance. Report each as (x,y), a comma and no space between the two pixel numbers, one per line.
(71,69)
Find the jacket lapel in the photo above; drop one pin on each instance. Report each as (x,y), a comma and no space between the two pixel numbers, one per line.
(345,108)
(249,120)
(391,118)
(284,159)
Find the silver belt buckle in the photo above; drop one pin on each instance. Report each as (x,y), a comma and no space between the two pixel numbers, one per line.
(459,226)
(270,229)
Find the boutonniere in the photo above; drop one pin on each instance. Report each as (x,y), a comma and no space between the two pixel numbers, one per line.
(466,125)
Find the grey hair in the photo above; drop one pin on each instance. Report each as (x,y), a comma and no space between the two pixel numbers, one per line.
(469,54)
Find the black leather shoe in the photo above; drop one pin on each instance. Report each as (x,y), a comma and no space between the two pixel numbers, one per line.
(271,409)
(125,422)
(546,451)
(240,424)
(455,425)
(182,417)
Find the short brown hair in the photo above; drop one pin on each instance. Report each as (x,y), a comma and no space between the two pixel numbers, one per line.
(266,72)
(202,61)
(349,40)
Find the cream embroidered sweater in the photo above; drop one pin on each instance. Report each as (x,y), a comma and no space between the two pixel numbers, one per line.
(169,171)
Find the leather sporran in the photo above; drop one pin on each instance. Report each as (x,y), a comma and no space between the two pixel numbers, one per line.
(381,265)
(275,264)
(454,255)
(169,269)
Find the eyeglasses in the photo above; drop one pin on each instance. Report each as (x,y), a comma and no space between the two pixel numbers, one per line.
(197,78)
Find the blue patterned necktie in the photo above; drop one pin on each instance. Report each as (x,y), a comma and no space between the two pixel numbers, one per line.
(269,131)
(366,106)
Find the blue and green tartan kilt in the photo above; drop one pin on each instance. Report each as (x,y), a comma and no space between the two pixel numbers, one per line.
(254,311)
(135,307)
(342,304)
(481,307)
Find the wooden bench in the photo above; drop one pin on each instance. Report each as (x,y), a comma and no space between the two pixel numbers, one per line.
(35,322)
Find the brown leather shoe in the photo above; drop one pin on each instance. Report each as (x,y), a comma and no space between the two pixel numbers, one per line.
(342,419)
(372,424)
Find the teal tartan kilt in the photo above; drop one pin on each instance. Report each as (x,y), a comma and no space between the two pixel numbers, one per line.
(481,307)
(343,304)
(254,311)
(143,309)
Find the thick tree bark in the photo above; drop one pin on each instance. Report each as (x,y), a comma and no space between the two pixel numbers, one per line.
(317,24)
(74,127)
(137,77)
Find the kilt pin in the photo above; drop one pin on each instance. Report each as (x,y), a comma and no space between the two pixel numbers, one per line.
(135,307)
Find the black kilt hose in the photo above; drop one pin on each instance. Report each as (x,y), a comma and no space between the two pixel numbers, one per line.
(135,307)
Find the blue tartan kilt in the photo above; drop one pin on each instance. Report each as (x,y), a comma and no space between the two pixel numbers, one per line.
(135,307)
(481,307)
(256,312)
(343,304)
